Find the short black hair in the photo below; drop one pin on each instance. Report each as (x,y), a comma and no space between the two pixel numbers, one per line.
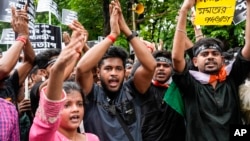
(42,59)
(208,42)
(114,52)
(162,53)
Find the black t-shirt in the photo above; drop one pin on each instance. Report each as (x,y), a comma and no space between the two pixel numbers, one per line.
(209,112)
(10,87)
(159,121)
(100,119)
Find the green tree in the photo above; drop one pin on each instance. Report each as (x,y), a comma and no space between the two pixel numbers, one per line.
(157,22)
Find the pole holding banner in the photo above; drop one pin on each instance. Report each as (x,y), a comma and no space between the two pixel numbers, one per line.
(26,88)
(49,18)
(48,6)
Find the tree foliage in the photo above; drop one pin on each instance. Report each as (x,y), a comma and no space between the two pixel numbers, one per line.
(157,22)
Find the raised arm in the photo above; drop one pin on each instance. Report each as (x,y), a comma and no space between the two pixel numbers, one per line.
(51,105)
(77,28)
(25,67)
(148,64)
(246,50)
(29,54)
(10,58)
(91,58)
(55,81)
(197,29)
(180,34)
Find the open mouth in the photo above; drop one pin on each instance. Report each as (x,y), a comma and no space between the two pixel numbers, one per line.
(75,118)
(161,74)
(113,82)
(210,63)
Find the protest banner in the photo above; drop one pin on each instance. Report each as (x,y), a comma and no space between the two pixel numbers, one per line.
(48,6)
(8,36)
(68,16)
(46,36)
(240,11)
(5,9)
(214,12)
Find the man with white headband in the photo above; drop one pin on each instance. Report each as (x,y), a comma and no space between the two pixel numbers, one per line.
(159,121)
(210,94)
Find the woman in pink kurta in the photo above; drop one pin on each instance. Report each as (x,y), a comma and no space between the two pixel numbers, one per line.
(61,105)
(47,120)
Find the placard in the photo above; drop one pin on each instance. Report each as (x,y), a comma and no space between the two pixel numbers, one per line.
(214,12)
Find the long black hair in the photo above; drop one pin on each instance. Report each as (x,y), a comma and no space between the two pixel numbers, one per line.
(69,86)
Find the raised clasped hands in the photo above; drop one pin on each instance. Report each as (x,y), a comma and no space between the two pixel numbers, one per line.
(19,21)
(115,12)
(77,41)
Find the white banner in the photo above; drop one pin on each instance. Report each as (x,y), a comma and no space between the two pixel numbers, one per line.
(8,36)
(48,6)
(5,9)
(68,16)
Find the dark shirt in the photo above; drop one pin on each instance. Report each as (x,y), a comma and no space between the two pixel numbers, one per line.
(35,97)
(159,121)
(10,87)
(25,124)
(210,111)
(99,117)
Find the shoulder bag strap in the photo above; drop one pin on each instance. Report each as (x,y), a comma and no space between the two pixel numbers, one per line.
(124,126)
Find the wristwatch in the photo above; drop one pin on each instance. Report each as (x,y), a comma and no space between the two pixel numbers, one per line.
(130,37)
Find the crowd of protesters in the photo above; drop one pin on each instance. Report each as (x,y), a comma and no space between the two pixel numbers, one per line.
(80,93)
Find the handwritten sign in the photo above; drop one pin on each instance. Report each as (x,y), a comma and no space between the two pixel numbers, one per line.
(214,12)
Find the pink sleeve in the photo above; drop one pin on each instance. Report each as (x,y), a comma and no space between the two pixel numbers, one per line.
(91,137)
(47,119)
